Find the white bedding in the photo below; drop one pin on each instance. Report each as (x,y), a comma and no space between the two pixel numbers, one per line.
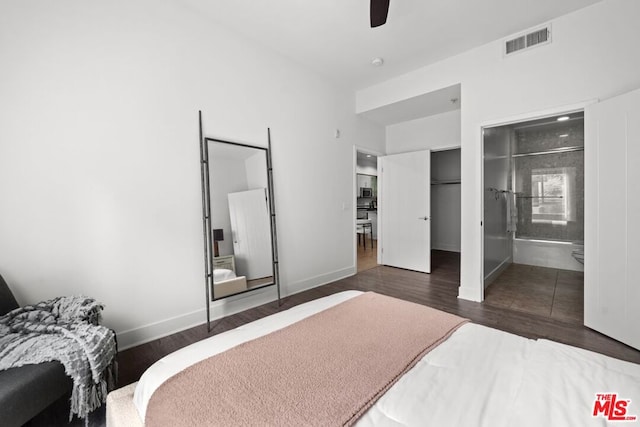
(222,274)
(478,377)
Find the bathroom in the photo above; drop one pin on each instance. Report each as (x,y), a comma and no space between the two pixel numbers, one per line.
(534,216)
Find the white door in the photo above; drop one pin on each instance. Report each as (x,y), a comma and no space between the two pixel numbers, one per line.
(251,233)
(405,210)
(612,212)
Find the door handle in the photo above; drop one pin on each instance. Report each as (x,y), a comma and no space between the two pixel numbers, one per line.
(424,218)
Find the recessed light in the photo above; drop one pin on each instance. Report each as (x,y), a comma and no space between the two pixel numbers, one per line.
(368,155)
(562,118)
(377,62)
(564,135)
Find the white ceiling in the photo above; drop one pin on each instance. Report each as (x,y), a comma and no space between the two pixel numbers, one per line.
(333,37)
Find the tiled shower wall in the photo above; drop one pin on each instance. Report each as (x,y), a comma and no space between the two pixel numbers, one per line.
(541,138)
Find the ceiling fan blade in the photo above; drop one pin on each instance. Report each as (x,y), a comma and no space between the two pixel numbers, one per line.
(379,10)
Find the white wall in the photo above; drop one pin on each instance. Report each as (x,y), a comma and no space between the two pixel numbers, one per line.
(432,132)
(593,55)
(99,163)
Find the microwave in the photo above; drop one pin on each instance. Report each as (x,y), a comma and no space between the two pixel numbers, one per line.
(366,192)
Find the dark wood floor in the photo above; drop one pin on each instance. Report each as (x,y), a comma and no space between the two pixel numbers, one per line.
(438,289)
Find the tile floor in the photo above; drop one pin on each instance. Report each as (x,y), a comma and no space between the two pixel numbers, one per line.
(548,292)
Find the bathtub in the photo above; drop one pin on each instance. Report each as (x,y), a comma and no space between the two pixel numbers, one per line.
(546,253)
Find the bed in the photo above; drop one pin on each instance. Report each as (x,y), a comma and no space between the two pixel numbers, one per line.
(225,283)
(477,376)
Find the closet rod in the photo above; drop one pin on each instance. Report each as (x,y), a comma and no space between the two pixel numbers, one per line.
(445,182)
(552,151)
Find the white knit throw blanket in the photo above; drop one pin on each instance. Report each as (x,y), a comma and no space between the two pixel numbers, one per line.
(63,329)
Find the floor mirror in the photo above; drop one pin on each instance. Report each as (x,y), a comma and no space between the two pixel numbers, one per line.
(238,215)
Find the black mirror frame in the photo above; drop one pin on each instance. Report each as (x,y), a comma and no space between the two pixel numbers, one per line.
(206,217)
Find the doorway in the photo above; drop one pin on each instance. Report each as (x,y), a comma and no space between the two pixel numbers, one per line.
(366,210)
(533,227)
(421,210)
(446,208)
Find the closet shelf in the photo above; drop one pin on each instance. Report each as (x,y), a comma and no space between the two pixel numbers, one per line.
(445,181)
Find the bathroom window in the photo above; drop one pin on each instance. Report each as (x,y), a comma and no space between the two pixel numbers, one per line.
(549,196)
(552,195)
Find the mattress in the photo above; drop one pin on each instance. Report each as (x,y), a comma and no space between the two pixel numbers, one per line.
(479,376)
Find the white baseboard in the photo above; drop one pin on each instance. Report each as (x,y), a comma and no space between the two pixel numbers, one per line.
(226,307)
(470,294)
(159,329)
(322,279)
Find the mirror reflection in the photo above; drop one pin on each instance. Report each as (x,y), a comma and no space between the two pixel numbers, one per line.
(240,218)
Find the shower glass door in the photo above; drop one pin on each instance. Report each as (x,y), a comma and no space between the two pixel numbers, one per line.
(548,171)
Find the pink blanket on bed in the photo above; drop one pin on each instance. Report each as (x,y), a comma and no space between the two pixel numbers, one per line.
(325,370)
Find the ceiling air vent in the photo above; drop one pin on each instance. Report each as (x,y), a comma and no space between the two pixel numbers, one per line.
(538,37)
(516,44)
(525,41)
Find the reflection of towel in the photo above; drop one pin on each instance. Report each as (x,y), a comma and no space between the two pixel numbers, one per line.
(512,212)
